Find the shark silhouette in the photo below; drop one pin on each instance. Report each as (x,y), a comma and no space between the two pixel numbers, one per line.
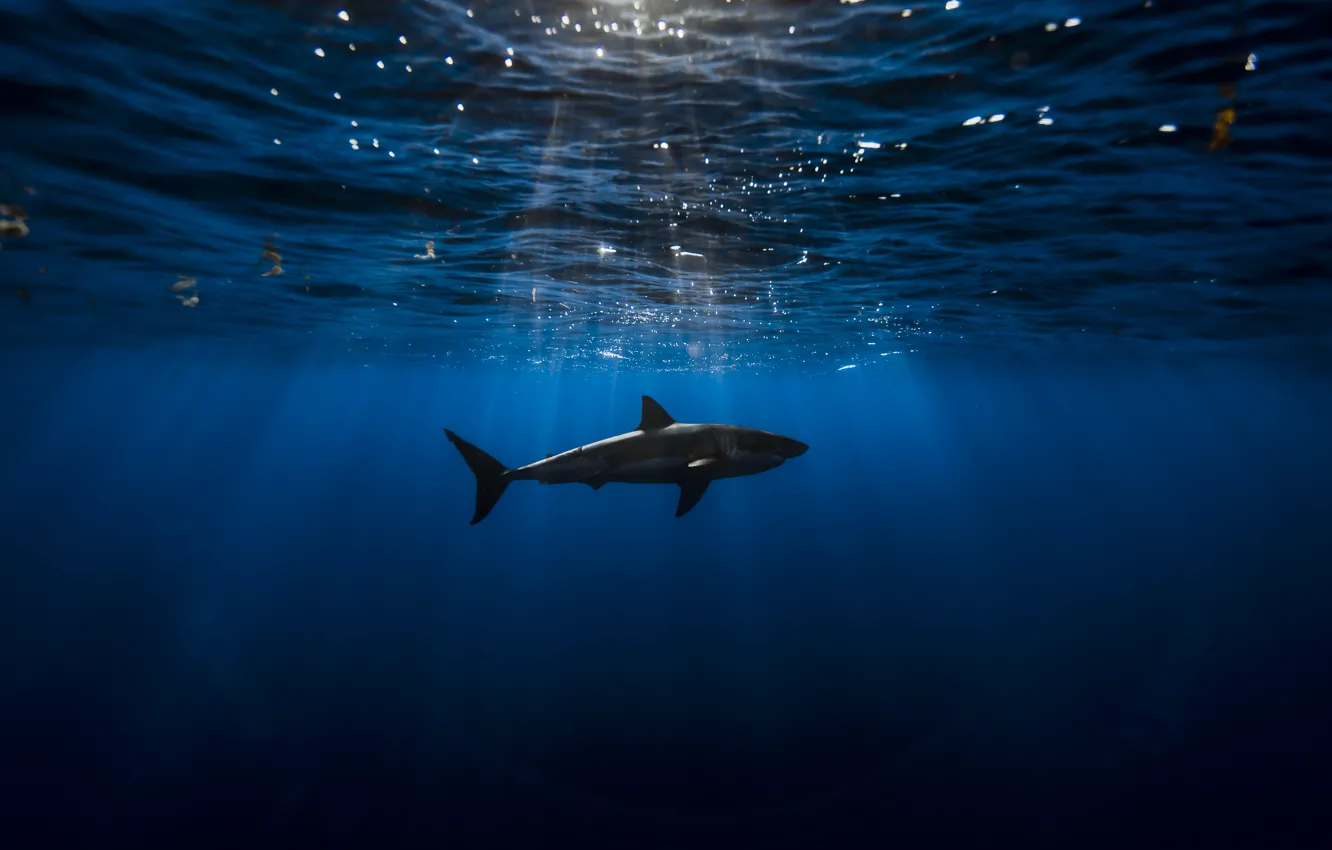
(659,451)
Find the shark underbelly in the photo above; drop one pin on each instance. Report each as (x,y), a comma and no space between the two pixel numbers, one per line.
(661,470)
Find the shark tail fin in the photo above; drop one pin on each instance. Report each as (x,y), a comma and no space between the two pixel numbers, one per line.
(491,478)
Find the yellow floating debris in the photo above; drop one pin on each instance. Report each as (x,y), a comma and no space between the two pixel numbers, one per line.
(430,251)
(271,256)
(183,284)
(13,222)
(1221,129)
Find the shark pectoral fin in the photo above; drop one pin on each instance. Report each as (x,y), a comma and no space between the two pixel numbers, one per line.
(702,462)
(691,490)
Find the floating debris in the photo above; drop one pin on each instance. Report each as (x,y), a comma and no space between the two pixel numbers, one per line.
(13,222)
(430,251)
(271,256)
(183,283)
(1225,117)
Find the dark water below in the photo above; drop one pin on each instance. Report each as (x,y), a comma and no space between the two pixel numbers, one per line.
(1053,573)
(1056,603)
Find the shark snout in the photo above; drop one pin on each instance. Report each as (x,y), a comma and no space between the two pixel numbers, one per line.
(793,448)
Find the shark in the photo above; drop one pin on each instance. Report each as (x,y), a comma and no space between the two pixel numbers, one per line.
(659,451)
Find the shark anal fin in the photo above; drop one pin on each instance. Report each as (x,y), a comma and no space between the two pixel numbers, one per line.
(654,416)
(692,489)
(595,483)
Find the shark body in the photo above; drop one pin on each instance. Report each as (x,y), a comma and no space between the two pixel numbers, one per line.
(659,451)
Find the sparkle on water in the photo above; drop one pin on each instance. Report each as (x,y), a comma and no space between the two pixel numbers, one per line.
(680,184)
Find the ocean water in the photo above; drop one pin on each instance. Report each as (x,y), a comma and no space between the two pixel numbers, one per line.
(1046,287)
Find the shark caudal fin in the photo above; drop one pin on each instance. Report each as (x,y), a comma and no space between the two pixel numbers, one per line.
(490,475)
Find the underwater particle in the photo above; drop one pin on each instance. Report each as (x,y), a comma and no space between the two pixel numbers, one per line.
(343,14)
(319,51)
(192,300)
(430,251)
(23,294)
(185,282)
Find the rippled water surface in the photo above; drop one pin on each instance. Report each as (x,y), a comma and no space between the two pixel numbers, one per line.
(668,184)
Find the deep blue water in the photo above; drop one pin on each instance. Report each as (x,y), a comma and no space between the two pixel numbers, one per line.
(1044,286)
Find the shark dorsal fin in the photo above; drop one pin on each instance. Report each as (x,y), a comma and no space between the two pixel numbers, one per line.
(654,416)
